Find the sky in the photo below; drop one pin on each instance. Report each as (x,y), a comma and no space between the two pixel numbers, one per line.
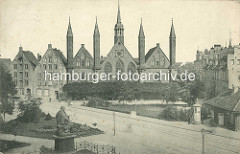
(198,24)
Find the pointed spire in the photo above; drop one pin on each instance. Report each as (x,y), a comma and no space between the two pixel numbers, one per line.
(230,39)
(141,32)
(118,16)
(69,31)
(96,30)
(172,33)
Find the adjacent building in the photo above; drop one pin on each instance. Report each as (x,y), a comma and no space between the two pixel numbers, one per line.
(212,66)
(234,69)
(45,83)
(23,71)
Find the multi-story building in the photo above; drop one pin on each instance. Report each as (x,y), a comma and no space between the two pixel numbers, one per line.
(23,67)
(214,65)
(234,69)
(45,83)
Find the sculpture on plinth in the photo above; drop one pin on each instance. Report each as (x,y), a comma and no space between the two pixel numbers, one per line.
(64,138)
(64,126)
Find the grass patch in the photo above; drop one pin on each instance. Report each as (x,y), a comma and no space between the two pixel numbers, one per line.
(44,129)
(147,110)
(7,145)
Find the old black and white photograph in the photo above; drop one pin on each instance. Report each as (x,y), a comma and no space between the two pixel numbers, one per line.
(119,76)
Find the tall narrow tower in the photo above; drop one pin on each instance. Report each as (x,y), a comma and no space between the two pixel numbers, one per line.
(69,48)
(230,40)
(172,46)
(118,29)
(141,47)
(96,48)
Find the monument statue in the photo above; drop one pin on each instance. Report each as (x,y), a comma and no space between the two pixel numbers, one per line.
(64,126)
(64,138)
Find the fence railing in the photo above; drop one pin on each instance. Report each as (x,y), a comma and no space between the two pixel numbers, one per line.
(83,145)
(97,148)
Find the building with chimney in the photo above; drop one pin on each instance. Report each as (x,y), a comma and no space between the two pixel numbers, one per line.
(29,71)
(23,69)
(46,84)
(218,67)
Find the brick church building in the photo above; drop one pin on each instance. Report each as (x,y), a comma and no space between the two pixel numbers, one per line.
(28,71)
(119,58)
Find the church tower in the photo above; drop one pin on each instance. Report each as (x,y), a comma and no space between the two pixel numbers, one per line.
(172,46)
(118,29)
(141,47)
(96,48)
(69,48)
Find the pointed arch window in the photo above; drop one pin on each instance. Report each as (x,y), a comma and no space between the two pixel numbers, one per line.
(131,68)
(120,66)
(78,62)
(87,62)
(108,68)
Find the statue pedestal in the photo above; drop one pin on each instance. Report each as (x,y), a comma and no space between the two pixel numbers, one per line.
(64,143)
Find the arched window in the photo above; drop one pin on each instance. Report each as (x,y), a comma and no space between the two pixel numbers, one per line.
(120,66)
(131,68)
(78,62)
(87,62)
(108,68)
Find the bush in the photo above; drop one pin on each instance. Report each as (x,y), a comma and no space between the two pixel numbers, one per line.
(183,115)
(30,111)
(170,113)
(44,150)
(47,127)
(213,123)
(95,101)
(48,117)
(205,112)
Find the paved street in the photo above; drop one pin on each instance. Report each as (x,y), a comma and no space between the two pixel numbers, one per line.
(147,135)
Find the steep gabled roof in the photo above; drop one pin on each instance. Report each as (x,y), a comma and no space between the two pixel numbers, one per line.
(83,49)
(150,52)
(60,55)
(30,56)
(226,101)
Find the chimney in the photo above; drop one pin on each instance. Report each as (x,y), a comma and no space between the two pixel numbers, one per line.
(158,45)
(20,48)
(49,46)
(39,57)
(82,45)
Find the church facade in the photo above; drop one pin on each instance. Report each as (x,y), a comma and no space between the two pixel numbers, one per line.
(33,80)
(119,58)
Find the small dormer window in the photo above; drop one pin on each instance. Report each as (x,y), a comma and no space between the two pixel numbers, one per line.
(50,59)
